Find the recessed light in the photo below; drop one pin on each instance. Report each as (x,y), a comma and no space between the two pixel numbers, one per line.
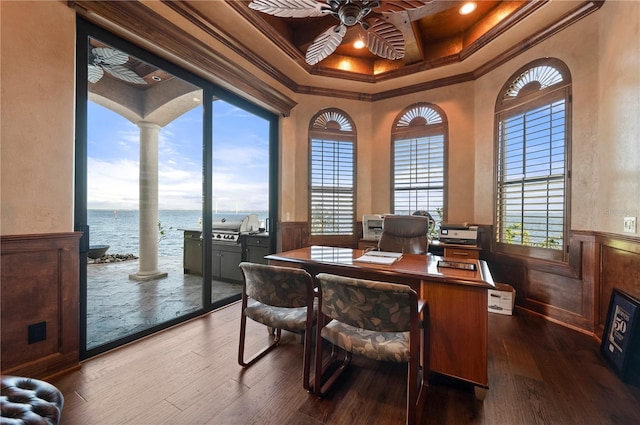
(467,8)
(156,78)
(358,44)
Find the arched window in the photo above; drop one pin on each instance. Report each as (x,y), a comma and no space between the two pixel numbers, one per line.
(332,173)
(419,153)
(533,133)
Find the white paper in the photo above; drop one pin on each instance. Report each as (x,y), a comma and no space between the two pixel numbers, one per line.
(379,257)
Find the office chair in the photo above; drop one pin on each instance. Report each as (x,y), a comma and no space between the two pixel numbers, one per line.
(404,233)
(279,298)
(375,319)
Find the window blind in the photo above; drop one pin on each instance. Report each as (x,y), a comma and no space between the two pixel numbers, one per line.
(332,187)
(418,176)
(531,177)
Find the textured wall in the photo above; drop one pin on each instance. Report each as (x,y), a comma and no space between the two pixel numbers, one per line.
(38,115)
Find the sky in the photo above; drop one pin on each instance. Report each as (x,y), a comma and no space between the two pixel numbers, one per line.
(240,161)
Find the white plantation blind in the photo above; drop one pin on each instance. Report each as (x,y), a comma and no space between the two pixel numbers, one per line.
(418,174)
(419,158)
(332,187)
(532,169)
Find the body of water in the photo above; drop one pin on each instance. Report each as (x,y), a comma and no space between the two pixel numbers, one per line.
(120,229)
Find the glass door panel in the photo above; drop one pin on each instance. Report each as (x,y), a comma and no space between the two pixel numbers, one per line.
(240,202)
(144,196)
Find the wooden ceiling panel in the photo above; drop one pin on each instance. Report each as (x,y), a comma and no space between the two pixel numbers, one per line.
(434,34)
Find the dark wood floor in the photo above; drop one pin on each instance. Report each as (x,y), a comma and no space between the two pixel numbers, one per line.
(539,373)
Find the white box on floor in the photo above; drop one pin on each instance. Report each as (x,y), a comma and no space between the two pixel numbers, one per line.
(502,299)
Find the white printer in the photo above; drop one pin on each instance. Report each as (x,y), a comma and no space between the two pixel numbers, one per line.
(461,234)
(372,226)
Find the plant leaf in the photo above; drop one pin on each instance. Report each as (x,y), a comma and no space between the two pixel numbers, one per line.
(289,8)
(325,44)
(385,40)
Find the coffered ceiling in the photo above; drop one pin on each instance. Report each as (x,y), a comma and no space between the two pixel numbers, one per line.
(435,34)
(262,57)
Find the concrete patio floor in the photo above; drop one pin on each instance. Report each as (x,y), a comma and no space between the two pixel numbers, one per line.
(118,306)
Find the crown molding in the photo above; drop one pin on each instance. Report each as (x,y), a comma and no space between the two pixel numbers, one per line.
(134,17)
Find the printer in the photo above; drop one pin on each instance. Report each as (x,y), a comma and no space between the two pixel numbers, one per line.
(461,234)
(372,226)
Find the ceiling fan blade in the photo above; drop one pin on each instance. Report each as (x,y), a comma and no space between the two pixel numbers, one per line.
(325,44)
(392,6)
(109,56)
(94,74)
(385,40)
(290,8)
(124,74)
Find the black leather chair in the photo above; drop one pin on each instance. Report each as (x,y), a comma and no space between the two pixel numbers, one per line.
(29,401)
(404,233)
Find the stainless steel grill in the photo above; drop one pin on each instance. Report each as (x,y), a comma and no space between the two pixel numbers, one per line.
(229,229)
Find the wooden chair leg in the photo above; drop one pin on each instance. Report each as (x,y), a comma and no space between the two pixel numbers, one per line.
(323,384)
(259,354)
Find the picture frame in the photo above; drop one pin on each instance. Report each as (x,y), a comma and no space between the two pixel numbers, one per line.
(621,340)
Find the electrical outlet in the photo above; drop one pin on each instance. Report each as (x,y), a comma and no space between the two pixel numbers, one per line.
(630,224)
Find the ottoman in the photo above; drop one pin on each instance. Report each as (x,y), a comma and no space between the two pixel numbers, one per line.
(29,401)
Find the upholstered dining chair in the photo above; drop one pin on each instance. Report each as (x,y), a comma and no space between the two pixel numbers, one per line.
(404,233)
(379,320)
(279,298)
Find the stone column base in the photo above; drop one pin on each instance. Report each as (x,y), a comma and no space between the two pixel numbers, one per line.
(145,276)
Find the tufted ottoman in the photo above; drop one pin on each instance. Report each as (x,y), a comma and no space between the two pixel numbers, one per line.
(29,401)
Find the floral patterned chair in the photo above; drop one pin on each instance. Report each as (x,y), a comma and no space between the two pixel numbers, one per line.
(379,320)
(279,298)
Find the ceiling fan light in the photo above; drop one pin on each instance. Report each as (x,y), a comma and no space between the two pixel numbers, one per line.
(349,14)
(467,8)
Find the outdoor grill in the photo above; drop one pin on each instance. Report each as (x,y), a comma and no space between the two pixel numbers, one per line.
(229,229)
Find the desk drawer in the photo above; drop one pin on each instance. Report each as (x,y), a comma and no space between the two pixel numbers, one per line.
(461,252)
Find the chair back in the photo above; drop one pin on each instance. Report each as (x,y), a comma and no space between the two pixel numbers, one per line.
(368,304)
(277,286)
(404,233)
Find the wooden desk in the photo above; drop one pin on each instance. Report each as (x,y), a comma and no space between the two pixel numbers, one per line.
(458,317)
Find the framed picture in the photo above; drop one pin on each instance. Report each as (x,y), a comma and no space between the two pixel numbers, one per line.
(621,339)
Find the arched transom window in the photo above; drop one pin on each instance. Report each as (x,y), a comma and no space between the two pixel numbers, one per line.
(419,151)
(332,173)
(533,122)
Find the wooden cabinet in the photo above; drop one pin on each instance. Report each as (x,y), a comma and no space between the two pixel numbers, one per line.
(470,252)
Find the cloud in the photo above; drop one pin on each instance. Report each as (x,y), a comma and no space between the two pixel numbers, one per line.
(240,163)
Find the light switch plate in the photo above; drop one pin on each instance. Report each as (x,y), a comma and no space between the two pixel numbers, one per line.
(630,225)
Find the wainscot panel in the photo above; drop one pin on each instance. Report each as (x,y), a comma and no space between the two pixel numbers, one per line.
(40,304)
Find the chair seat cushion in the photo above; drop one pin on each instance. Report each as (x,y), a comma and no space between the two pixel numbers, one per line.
(384,346)
(291,319)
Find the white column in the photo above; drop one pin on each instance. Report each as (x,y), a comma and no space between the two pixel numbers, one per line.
(148,262)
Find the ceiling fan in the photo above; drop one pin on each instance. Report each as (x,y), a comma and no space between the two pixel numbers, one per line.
(382,37)
(111,60)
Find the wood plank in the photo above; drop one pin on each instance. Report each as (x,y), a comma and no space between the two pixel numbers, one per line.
(189,375)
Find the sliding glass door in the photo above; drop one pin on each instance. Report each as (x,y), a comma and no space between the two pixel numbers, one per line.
(161,157)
